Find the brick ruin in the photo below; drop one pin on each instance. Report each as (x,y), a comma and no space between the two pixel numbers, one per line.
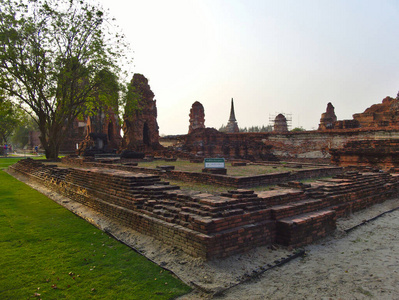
(197,117)
(215,226)
(384,114)
(280,124)
(381,154)
(381,115)
(379,151)
(209,142)
(140,125)
(304,146)
(126,164)
(379,122)
(102,133)
(141,134)
(328,118)
(74,135)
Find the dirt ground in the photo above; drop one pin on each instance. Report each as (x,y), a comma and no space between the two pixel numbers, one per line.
(361,264)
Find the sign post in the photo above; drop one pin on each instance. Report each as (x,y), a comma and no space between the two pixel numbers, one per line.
(214,163)
(214,166)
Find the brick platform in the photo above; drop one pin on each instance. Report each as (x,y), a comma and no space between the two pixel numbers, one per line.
(217,179)
(214,226)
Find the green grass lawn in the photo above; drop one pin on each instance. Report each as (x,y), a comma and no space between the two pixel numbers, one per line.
(45,249)
(5,162)
(184,165)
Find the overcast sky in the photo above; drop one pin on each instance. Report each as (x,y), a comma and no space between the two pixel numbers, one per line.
(281,56)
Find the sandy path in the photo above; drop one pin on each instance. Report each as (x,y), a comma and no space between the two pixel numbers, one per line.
(363,264)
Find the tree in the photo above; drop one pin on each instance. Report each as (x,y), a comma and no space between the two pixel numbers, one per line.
(54,54)
(20,136)
(298,129)
(10,118)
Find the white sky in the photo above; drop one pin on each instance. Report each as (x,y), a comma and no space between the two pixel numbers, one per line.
(271,56)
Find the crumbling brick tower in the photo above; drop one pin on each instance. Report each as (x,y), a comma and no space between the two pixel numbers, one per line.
(328,118)
(197,117)
(280,124)
(380,115)
(140,126)
(102,133)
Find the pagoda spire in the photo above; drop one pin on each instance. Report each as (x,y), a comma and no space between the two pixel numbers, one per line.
(232,114)
(232,126)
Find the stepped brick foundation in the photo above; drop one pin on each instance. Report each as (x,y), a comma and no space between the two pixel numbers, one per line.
(208,178)
(214,226)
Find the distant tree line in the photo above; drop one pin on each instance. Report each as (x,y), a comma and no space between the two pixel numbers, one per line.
(262,128)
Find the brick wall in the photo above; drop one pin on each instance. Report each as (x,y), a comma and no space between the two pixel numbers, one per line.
(214,226)
(224,180)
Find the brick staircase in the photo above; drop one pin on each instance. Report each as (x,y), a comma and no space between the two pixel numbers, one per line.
(302,222)
(212,226)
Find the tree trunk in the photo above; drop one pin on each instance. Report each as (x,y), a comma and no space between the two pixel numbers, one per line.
(52,151)
(51,145)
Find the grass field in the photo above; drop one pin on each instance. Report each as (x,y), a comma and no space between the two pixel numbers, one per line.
(5,162)
(48,252)
(248,170)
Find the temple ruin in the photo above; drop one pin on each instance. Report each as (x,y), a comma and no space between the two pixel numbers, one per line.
(140,127)
(328,118)
(280,124)
(380,115)
(214,226)
(232,126)
(208,142)
(357,159)
(197,117)
(377,116)
(102,133)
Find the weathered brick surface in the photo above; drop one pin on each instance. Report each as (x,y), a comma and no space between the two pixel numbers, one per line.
(303,229)
(296,146)
(381,154)
(212,226)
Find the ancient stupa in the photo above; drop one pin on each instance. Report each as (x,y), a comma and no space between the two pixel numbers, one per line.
(197,117)
(232,126)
